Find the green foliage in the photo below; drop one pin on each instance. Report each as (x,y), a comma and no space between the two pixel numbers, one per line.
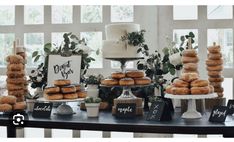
(30,96)
(92,79)
(92,100)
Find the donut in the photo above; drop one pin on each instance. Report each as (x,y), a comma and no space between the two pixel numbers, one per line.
(20,99)
(14,87)
(189,59)
(8,100)
(51,89)
(5,107)
(214,49)
(70,96)
(56,96)
(135,74)
(16,93)
(216,84)
(77,86)
(190,66)
(180,91)
(142,81)
(214,62)
(15,74)
(214,56)
(214,73)
(19,106)
(15,67)
(189,71)
(211,89)
(14,59)
(218,89)
(180,83)
(216,79)
(189,53)
(62,82)
(126,82)
(220,95)
(16,80)
(200,90)
(110,82)
(118,75)
(82,94)
(68,89)
(215,68)
(199,83)
(169,89)
(189,77)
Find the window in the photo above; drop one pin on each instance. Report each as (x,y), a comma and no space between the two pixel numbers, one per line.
(6,46)
(33,14)
(184,12)
(219,12)
(7,15)
(122,14)
(62,14)
(91,14)
(57,38)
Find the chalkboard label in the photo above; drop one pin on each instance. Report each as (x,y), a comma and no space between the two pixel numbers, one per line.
(125,110)
(159,111)
(42,110)
(230,106)
(218,114)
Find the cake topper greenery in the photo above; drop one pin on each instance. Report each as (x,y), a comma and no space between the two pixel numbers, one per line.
(71,45)
(137,39)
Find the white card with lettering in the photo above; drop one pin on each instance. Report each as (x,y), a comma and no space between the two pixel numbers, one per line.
(60,67)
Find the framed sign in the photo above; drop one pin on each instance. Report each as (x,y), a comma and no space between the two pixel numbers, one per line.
(125,110)
(60,67)
(42,110)
(218,114)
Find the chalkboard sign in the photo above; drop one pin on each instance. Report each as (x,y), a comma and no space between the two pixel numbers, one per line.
(42,110)
(159,111)
(230,106)
(218,114)
(125,110)
(60,67)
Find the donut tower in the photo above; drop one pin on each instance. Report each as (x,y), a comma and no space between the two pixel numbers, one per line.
(214,67)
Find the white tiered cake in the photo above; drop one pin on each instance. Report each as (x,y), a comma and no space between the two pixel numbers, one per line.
(113,47)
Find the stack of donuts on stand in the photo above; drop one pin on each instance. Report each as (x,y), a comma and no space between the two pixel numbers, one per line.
(63,89)
(214,67)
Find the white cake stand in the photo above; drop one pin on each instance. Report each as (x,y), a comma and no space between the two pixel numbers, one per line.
(191,112)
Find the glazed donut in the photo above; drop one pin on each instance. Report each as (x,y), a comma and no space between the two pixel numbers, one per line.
(118,75)
(15,74)
(215,68)
(53,96)
(126,82)
(142,81)
(70,96)
(189,53)
(5,107)
(189,71)
(180,91)
(68,89)
(214,73)
(189,77)
(214,49)
(14,87)
(216,79)
(211,89)
(190,66)
(8,100)
(14,59)
(16,93)
(16,80)
(51,89)
(180,83)
(15,67)
(214,56)
(82,94)
(77,86)
(169,89)
(189,59)
(62,82)
(218,89)
(199,83)
(216,84)
(200,90)
(110,82)
(214,62)
(135,74)
(19,106)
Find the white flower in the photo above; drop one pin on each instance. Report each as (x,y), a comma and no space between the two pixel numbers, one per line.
(33,73)
(39,79)
(86,49)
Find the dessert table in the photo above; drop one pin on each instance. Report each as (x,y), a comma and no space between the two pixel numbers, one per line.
(106,122)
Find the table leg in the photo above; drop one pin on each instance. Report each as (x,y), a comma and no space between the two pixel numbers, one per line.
(11,132)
